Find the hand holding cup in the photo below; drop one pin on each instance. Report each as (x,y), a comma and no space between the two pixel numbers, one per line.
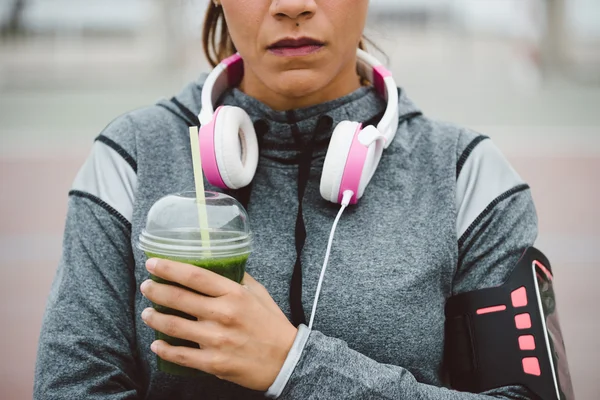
(243,335)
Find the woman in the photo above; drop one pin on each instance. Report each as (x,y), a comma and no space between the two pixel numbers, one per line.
(443,214)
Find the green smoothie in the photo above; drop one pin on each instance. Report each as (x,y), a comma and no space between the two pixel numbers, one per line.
(213,234)
(230,267)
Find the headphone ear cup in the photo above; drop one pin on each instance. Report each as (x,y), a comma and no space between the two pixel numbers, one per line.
(236,147)
(336,159)
(229,148)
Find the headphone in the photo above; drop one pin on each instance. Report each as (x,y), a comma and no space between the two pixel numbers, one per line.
(229,147)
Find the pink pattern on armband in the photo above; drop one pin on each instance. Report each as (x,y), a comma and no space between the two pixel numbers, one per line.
(519,297)
(493,309)
(531,366)
(523,321)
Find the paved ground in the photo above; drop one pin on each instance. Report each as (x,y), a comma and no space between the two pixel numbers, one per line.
(53,102)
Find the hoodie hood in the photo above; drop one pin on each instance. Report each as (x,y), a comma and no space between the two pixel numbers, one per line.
(285,133)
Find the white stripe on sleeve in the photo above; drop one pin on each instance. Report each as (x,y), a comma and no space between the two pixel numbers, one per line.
(107,176)
(485,175)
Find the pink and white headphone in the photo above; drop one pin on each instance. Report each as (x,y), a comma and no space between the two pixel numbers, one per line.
(229,148)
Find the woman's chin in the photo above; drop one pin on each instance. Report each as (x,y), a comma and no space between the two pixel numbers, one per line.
(298,83)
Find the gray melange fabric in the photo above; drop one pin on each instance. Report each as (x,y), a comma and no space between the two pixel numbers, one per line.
(427,227)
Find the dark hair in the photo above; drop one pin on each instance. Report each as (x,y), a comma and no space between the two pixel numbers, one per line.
(218,47)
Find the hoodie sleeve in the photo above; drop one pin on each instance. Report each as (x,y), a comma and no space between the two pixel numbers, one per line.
(496,222)
(87,342)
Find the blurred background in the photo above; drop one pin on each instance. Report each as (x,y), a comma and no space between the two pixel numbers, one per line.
(525,72)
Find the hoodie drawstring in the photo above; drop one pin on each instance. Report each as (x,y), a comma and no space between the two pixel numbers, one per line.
(324,124)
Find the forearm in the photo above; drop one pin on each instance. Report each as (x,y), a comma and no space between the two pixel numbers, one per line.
(87,338)
(69,366)
(327,369)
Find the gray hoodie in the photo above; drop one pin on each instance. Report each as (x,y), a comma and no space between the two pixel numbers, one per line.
(445,213)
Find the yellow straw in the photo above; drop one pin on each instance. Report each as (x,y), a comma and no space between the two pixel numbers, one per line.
(199,182)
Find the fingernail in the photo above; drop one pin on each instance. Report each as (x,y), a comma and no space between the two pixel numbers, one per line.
(154,347)
(144,285)
(146,313)
(151,264)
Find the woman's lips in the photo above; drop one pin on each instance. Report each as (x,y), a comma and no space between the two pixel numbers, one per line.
(295,51)
(295,47)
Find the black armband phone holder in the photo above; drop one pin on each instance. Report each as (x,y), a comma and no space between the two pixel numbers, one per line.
(509,335)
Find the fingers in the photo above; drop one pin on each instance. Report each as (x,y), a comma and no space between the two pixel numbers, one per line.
(171,325)
(184,356)
(202,359)
(196,278)
(178,298)
(224,312)
(206,333)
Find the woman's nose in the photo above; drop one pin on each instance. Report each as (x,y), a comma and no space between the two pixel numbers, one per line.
(293,9)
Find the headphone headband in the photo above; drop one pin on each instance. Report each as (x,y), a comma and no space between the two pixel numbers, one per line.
(230,71)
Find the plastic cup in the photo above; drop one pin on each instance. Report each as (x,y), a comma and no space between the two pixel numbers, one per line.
(173,232)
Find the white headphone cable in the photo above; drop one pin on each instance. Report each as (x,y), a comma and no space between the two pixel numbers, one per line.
(345,201)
